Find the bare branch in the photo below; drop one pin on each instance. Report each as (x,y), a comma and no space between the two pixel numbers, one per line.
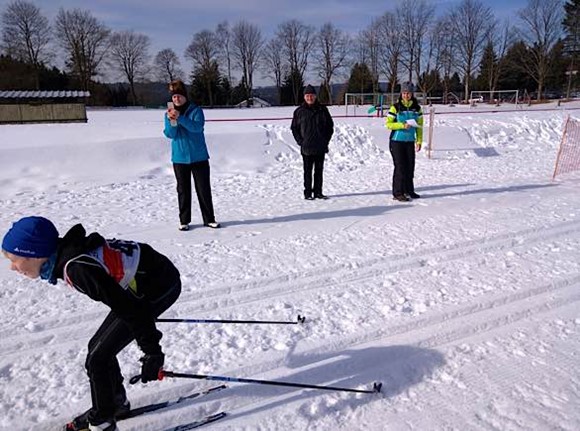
(85,41)
(130,55)
(26,33)
(166,65)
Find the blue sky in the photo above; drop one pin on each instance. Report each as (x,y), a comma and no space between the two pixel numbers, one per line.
(171,24)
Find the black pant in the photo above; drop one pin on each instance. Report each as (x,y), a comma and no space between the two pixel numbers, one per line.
(403,154)
(107,391)
(200,172)
(310,162)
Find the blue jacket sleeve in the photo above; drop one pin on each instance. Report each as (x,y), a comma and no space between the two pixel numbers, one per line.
(193,122)
(169,131)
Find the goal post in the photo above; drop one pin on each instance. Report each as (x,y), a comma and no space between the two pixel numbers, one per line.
(496,97)
(368,103)
(568,158)
(363,103)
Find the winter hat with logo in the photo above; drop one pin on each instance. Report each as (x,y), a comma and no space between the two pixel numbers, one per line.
(309,89)
(178,87)
(31,237)
(407,87)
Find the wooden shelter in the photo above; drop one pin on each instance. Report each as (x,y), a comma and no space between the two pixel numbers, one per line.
(19,107)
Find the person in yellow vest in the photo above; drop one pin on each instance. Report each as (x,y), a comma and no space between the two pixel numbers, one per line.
(405,121)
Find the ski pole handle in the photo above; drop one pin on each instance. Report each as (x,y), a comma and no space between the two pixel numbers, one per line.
(160,376)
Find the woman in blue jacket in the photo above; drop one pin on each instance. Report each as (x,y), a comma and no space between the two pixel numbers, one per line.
(184,124)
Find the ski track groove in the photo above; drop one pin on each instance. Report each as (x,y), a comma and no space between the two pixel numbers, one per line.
(315,279)
(461,329)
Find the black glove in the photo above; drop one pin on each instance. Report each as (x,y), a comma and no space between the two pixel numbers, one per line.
(151,366)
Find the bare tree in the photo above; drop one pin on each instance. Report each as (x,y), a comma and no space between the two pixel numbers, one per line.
(203,51)
(333,47)
(273,64)
(430,62)
(370,38)
(472,22)
(130,55)
(166,65)
(415,18)
(447,53)
(361,49)
(25,33)
(390,48)
(224,41)
(500,39)
(85,41)
(541,30)
(298,40)
(247,45)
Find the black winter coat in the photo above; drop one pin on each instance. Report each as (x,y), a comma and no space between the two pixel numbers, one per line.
(154,276)
(312,127)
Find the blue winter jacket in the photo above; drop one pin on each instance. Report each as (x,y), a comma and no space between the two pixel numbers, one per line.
(399,113)
(187,138)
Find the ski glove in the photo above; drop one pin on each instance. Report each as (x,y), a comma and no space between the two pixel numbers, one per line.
(151,364)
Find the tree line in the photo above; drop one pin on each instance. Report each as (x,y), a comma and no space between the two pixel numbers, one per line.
(461,49)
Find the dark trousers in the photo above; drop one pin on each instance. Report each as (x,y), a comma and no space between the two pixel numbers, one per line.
(107,391)
(315,162)
(200,172)
(403,154)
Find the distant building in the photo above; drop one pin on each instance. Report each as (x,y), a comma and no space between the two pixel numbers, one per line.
(253,102)
(18,107)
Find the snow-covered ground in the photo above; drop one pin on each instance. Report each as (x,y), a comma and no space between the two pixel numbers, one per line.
(464,303)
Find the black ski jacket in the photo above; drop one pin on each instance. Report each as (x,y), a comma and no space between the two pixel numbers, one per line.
(154,276)
(312,127)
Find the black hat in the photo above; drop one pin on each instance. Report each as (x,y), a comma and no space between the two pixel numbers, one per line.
(309,89)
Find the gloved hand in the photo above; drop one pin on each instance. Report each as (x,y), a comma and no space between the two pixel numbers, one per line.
(151,366)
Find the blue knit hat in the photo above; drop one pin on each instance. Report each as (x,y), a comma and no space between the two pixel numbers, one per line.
(31,237)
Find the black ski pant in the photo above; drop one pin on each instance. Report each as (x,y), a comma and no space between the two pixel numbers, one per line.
(403,154)
(200,172)
(311,162)
(107,391)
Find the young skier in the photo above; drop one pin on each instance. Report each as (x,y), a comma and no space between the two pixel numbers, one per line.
(133,279)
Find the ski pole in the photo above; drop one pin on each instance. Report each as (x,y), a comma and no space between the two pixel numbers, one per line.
(162,374)
(300,319)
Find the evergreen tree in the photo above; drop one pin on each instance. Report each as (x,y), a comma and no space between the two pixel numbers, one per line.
(515,77)
(455,84)
(571,25)
(360,80)
(556,79)
(487,68)
(324,95)
(206,81)
(292,79)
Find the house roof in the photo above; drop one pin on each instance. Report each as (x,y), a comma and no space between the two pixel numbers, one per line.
(43,94)
(255,101)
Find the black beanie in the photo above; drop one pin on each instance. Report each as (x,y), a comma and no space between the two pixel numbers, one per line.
(309,89)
